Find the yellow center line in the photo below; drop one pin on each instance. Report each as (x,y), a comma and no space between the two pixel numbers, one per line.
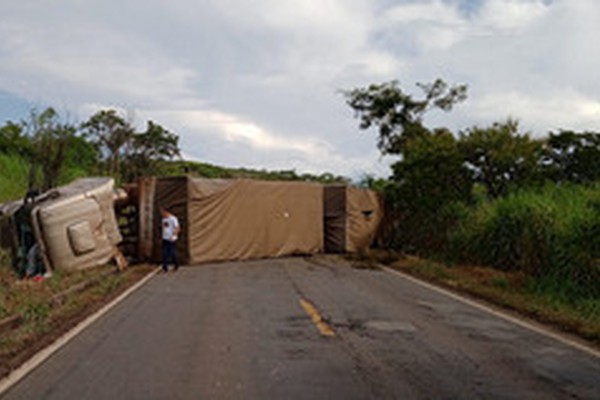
(316,318)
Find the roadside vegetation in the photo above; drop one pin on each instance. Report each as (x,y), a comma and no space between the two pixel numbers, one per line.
(35,313)
(523,212)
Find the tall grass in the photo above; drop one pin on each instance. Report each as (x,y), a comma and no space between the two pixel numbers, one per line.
(70,173)
(14,171)
(552,234)
(14,176)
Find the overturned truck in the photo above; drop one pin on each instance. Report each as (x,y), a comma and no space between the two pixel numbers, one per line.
(248,219)
(70,227)
(74,226)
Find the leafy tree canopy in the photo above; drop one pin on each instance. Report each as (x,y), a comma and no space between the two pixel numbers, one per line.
(397,115)
(110,133)
(500,157)
(432,171)
(429,179)
(14,140)
(149,149)
(49,138)
(573,157)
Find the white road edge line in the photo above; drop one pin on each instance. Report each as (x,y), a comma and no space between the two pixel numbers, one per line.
(528,325)
(35,361)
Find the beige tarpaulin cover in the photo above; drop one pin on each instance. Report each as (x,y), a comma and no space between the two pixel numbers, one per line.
(76,226)
(241,219)
(352,217)
(253,219)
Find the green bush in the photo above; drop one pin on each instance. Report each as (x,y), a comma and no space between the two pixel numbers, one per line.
(552,234)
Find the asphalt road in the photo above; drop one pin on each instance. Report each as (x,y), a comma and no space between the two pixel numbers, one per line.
(242,331)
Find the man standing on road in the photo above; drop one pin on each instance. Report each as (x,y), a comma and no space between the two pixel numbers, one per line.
(170,232)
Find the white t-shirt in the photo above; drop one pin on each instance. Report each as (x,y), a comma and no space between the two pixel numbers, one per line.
(169,224)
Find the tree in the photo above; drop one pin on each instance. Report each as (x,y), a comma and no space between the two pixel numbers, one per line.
(430,175)
(110,133)
(396,114)
(13,140)
(499,157)
(432,170)
(369,181)
(427,182)
(148,150)
(49,138)
(572,157)
(81,158)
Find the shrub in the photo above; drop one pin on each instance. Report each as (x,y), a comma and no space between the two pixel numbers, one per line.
(552,234)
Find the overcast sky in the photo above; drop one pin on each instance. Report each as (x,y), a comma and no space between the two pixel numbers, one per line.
(257,83)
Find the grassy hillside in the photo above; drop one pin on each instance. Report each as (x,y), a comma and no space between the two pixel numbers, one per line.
(14,174)
(214,171)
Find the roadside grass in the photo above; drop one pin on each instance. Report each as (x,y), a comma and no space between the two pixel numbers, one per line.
(13,177)
(552,233)
(37,313)
(512,290)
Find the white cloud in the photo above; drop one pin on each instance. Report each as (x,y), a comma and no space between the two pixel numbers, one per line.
(422,27)
(531,60)
(247,133)
(561,110)
(511,15)
(429,26)
(93,61)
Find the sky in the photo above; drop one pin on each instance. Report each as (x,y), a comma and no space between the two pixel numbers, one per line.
(259,83)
